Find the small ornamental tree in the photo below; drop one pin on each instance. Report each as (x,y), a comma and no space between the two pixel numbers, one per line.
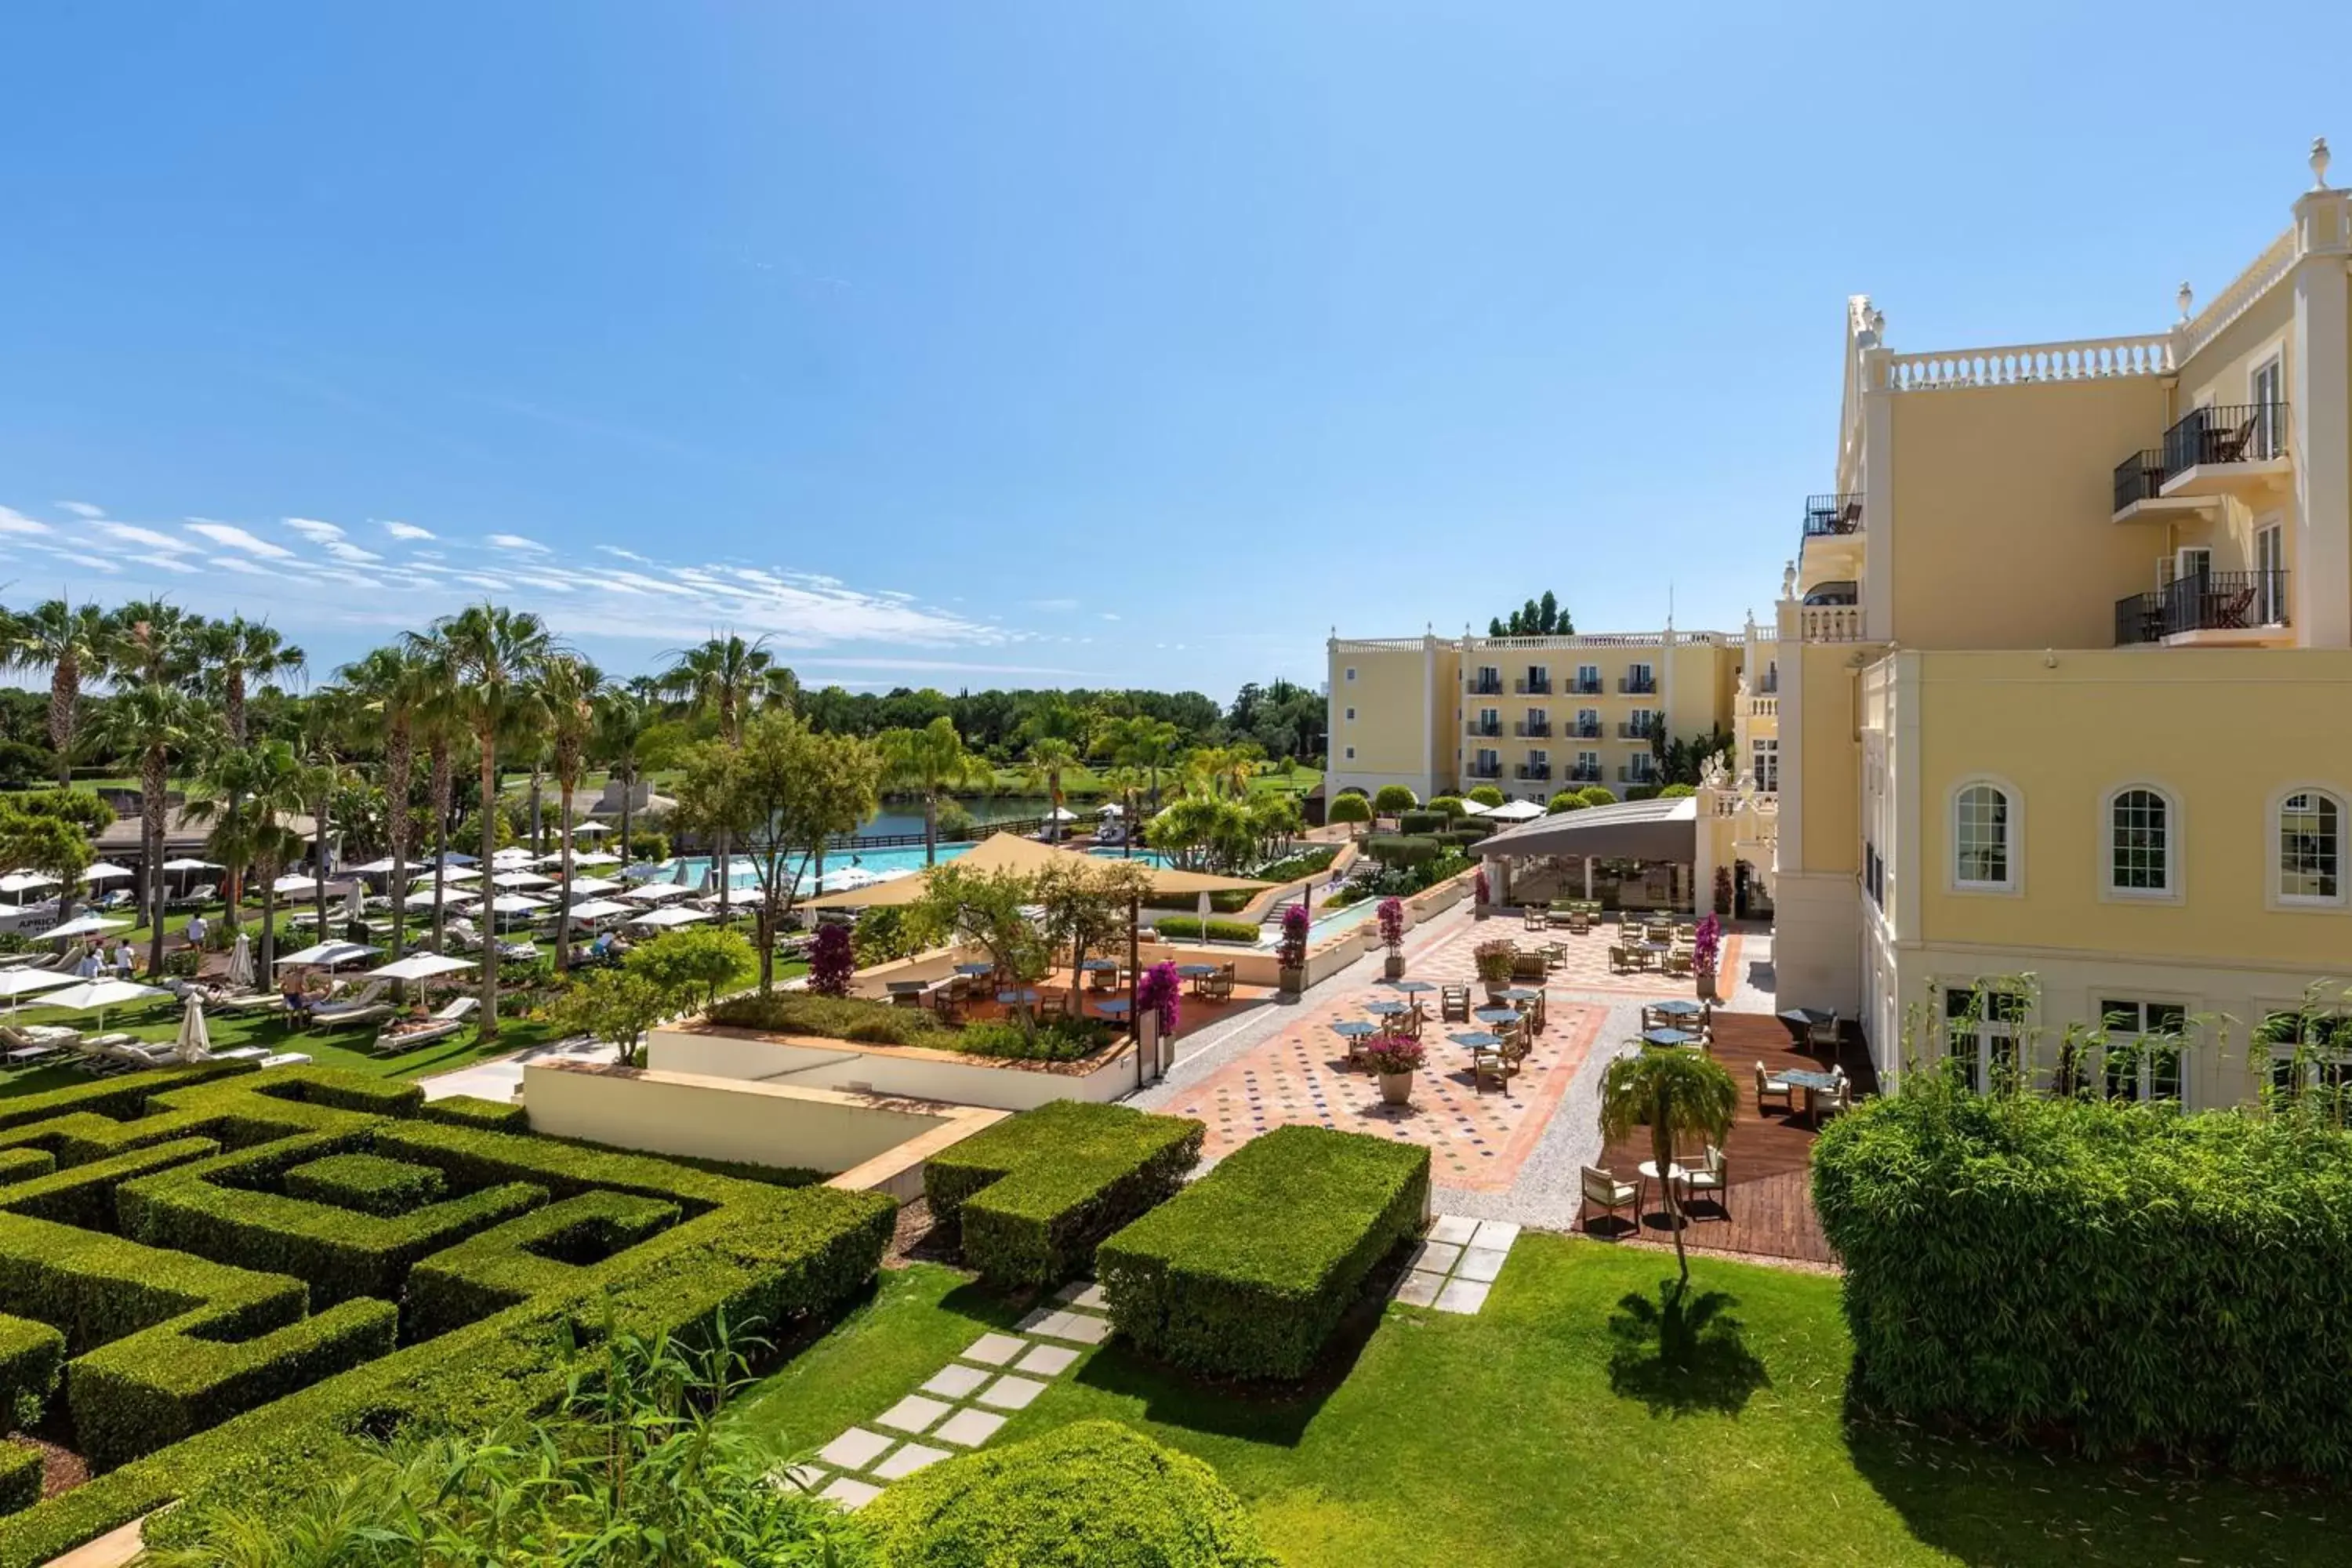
(1600,794)
(613,1005)
(1391,918)
(690,965)
(1348,808)
(1487,794)
(1394,798)
(1159,993)
(1707,944)
(832,961)
(1723,889)
(1682,1097)
(1451,804)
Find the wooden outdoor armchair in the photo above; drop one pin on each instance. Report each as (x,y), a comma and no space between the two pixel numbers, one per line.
(1453,1004)
(1770,1087)
(1600,1189)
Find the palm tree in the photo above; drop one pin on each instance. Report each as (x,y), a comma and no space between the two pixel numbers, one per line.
(569,688)
(624,715)
(441,726)
(155,643)
(1043,765)
(69,642)
(1145,744)
(245,795)
(154,726)
(331,715)
(494,657)
(932,761)
(725,677)
(1681,1095)
(239,657)
(391,686)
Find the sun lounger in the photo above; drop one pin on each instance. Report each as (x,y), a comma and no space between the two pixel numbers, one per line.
(285,1059)
(439,1027)
(351,1017)
(247,1001)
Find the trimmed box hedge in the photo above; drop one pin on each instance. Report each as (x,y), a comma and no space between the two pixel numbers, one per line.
(22,1164)
(20,1475)
(1247,1272)
(1188,926)
(275,1403)
(2133,1278)
(369,1184)
(542,1251)
(1036,1192)
(473,1110)
(31,1353)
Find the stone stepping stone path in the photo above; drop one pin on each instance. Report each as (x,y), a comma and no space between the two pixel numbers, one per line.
(1456,1264)
(964,1404)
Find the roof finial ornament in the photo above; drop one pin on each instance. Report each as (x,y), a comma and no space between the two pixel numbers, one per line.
(2186,297)
(1789,580)
(2319,163)
(1878,322)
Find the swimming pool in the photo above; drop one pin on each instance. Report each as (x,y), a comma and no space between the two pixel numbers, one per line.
(897,860)
(1323,926)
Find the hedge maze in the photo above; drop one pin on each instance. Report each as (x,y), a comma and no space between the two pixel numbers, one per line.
(220,1281)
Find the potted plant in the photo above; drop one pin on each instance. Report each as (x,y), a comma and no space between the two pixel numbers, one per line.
(1494,960)
(1706,950)
(1391,918)
(1395,1058)
(1290,953)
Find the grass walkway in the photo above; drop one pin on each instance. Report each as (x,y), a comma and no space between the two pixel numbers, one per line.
(1541,1432)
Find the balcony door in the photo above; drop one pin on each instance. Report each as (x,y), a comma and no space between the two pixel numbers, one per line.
(2270,574)
(2269,386)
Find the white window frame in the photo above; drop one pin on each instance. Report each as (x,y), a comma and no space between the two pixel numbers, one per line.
(2270,592)
(2323,1062)
(2176,839)
(2273,850)
(1588,762)
(2144,1087)
(1587,679)
(1644,675)
(1588,718)
(2012,885)
(1351,672)
(1989,1032)
(1762,748)
(2270,440)
(1644,768)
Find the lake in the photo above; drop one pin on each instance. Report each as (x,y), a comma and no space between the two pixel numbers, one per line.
(907,816)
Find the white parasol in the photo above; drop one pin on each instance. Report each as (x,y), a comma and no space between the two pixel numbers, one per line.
(20,983)
(106,871)
(25,882)
(196,1041)
(422,966)
(86,925)
(330,954)
(355,904)
(661,920)
(521,879)
(654,892)
(188,863)
(591,828)
(295,882)
(101,995)
(601,910)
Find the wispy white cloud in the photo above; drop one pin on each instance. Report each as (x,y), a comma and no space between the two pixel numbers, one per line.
(344,550)
(82,508)
(407,530)
(236,538)
(311,528)
(237,563)
(515,541)
(15,521)
(1109,615)
(167,546)
(624,554)
(1053,603)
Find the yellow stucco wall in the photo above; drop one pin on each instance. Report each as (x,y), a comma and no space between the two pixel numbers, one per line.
(2225,732)
(1390,696)
(1832,778)
(2219,372)
(2002,533)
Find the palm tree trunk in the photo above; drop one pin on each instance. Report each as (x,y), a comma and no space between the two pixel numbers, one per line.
(64,692)
(726,875)
(151,874)
(319,862)
(398,763)
(930,827)
(563,909)
(268,928)
(441,790)
(628,794)
(1662,1153)
(489,1029)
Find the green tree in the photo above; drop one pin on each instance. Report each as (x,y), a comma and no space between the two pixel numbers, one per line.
(725,678)
(1147,745)
(68,641)
(154,726)
(1085,906)
(37,841)
(690,966)
(1348,806)
(986,910)
(569,688)
(625,716)
(611,1005)
(1048,758)
(392,688)
(1682,1096)
(1391,798)
(1487,796)
(1199,831)
(1541,617)
(932,761)
(237,659)
(493,658)
(244,796)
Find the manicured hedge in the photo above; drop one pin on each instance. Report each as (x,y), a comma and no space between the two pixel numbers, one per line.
(1396,849)
(1092,1494)
(1421,821)
(830,1018)
(369,1184)
(30,1356)
(473,1110)
(84,1194)
(20,1475)
(542,1251)
(2133,1278)
(22,1164)
(1036,1192)
(1188,926)
(1247,1272)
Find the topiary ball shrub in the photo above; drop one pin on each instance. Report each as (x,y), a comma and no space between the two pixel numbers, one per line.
(1676,792)
(1421,821)
(1598,794)
(1349,806)
(1641,792)
(1398,849)
(1566,800)
(1092,1495)
(1389,799)
(1451,804)
(1486,794)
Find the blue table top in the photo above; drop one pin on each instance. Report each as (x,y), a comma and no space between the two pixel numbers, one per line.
(1518,993)
(975,968)
(1100,963)
(1115,1006)
(1353,1027)
(1805,1079)
(1011,997)
(1413,986)
(1195,970)
(1668,1037)
(1477,1039)
(1496,1015)
(1388,1009)
(1677,1008)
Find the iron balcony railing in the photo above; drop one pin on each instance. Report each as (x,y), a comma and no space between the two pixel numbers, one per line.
(1533,686)
(1628,773)
(1531,727)
(1637,728)
(1584,688)
(1582,773)
(1535,769)
(2138,477)
(1486,686)
(1485,770)
(1581,731)
(1637,685)
(1483,727)
(2229,433)
(2202,602)
(1840,513)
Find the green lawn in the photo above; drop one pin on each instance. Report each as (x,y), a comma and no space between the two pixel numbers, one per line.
(1534,1433)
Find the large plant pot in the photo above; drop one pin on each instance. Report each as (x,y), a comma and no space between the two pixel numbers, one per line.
(1394,967)
(1495,989)
(1290,983)
(1706,992)
(1396,1088)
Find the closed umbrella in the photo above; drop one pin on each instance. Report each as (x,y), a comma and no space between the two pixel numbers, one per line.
(240,962)
(1203,908)
(355,904)
(196,1041)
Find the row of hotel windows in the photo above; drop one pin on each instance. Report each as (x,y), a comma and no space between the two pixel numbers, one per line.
(2141,843)
(1487,678)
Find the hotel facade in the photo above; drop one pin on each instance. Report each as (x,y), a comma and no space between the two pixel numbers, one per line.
(2063,661)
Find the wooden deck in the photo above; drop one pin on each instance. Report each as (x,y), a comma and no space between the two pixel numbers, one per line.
(1769,1207)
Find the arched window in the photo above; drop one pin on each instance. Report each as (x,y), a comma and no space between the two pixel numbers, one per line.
(1983,854)
(2141,842)
(2311,847)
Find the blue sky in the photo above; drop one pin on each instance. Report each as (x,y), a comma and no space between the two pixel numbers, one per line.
(1048,344)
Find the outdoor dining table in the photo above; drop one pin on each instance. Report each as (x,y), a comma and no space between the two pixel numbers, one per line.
(1677,1008)
(1023,997)
(1814,1084)
(975,970)
(1411,988)
(1113,1006)
(1668,1037)
(1355,1028)
(1198,974)
(1649,1171)
(1388,1009)
(1477,1039)
(1496,1015)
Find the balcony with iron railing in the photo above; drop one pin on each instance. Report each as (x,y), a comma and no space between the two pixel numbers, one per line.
(1487,727)
(1637,729)
(1485,768)
(2210,451)
(1583,688)
(1628,773)
(1581,731)
(1483,684)
(1537,728)
(1828,516)
(1638,685)
(2246,603)
(1533,686)
(1535,769)
(1582,772)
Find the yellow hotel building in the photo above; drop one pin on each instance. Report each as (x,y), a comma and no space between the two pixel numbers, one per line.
(1531,716)
(2065,664)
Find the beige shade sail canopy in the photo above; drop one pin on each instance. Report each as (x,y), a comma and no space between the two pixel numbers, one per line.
(1023,856)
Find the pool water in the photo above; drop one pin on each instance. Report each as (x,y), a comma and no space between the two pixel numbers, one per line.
(899,860)
(1324,925)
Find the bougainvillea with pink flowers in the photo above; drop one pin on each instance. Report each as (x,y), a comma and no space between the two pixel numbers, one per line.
(832,961)
(1160,991)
